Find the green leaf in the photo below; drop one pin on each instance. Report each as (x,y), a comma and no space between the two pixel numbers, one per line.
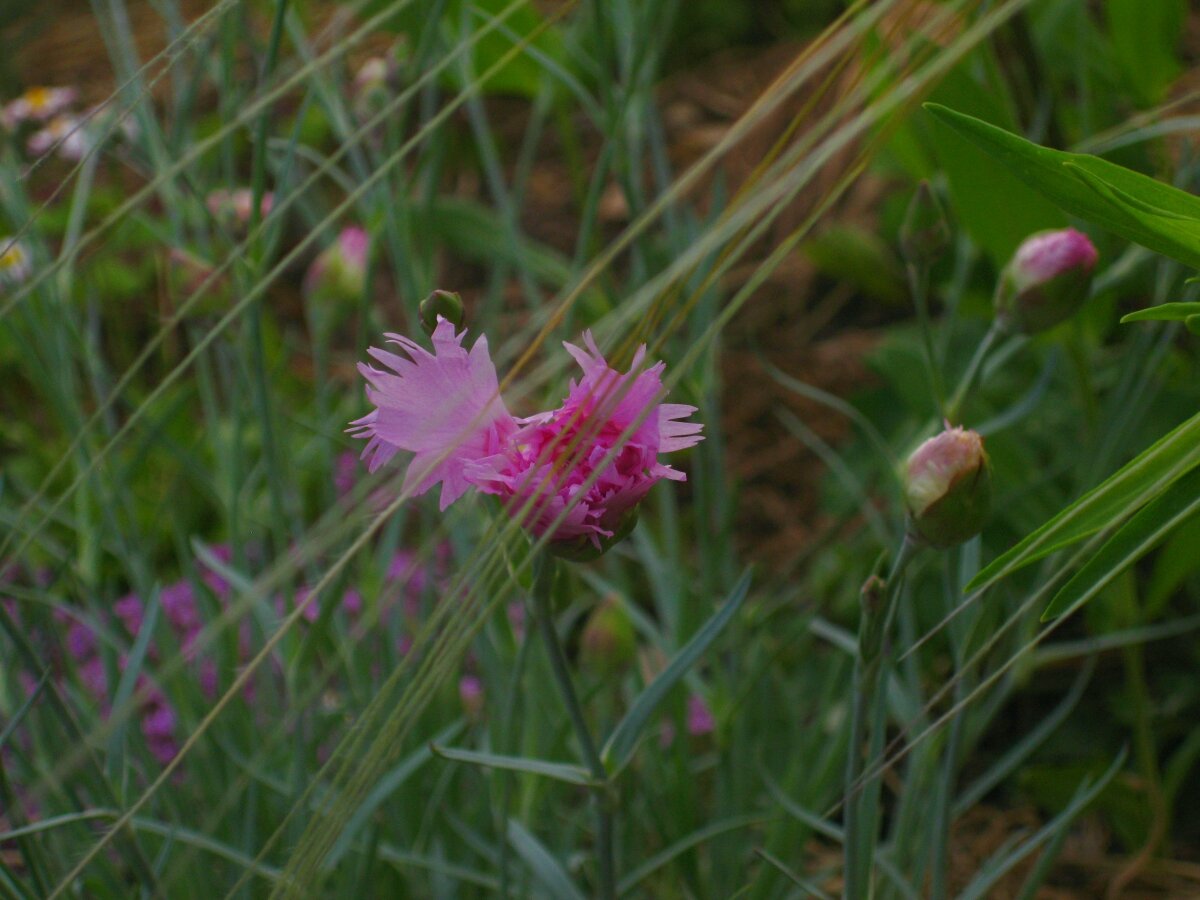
(998,211)
(620,744)
(1106,505)
(388,784)
(541,862)
(1135,539)
(558,771)
(1130,204)
(861,259)
(1003,861)
(471,229)
(1144,37)
(1164,312)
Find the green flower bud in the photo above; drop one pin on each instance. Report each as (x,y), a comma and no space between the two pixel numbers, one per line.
(948,488)
(1046,281)
(444,304)
(608,643)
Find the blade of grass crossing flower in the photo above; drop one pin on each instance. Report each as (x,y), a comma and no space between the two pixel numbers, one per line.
(619,747)
(124,698)
(1130,488)
(1133,540)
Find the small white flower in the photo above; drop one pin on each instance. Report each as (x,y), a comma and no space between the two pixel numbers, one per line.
(16,265)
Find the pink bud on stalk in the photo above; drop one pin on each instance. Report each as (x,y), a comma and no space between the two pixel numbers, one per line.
(1046,281)
(948,488)
(340,272)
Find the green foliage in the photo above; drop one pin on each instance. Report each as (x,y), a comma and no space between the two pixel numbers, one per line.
(1132,205)
(353,703)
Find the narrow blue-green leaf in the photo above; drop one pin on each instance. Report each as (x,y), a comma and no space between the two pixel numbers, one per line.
(542,864)
(558,771)
(387,786)
(621,742)
(1135,539)
(1106,505)
(1000,864)
(1164,312)
(684,844)
(19,716)
(1045,170)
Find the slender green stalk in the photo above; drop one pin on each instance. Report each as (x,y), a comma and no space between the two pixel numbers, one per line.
(918,282)
(974,367)
(543,583)
(869,670)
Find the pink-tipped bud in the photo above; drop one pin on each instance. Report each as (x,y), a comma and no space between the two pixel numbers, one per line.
(470,694)
(340,272)
(1046,281)
(608,643)
(948,488)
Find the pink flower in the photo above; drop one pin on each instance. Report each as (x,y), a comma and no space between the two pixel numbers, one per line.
(580,469)
(444,407)
(340,271)
(587,464)
(238,204)
(130,611)
(66,134)
(37,104)
(700,719)
(470,693)
(16,264)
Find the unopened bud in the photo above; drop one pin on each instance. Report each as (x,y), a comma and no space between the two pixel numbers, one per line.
(441,304)
(924,234)
(340,272)
(608,643)
(1046,281)
(470,694)
(948,488)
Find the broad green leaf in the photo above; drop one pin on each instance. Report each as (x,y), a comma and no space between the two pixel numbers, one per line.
(998,211)
(1164,312)
(1135,539)
(571,774)
(1192,324)
(620,744)
(1130,204)
(859,258)
(1144,37)
(1106,505)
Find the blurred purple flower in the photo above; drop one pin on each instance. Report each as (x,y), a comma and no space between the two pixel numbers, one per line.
(699,717)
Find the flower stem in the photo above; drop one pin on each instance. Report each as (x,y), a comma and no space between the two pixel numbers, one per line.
(860,799)
(545,569)
(973,369)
